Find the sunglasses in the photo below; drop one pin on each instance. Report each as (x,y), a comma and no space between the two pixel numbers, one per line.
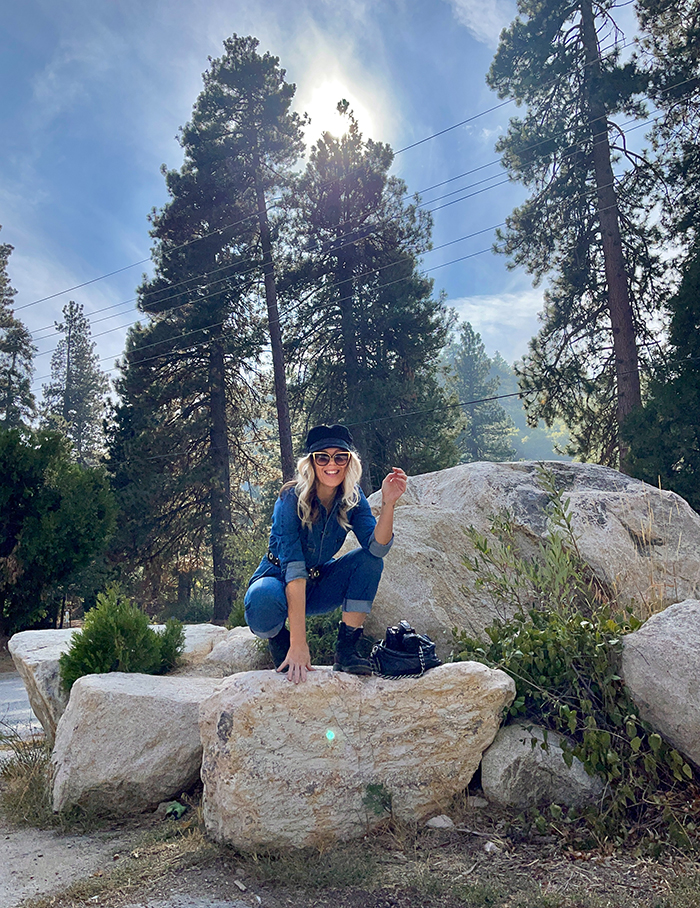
(341,458)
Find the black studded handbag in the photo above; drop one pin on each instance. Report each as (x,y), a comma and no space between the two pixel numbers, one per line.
(403,652)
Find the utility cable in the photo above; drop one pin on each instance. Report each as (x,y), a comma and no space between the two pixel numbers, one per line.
(601,56)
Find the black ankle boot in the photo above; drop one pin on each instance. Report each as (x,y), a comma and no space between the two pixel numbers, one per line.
(279,646)
(347,659)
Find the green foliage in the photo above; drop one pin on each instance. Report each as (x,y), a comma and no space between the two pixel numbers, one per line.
(664,435)
(188,434)
(245,549)
(16,355)
(55,518)
(539,442)
(368,330)
(487,431)
(117,637)
(377,799)
(571,90)
(75,398)
(562,646)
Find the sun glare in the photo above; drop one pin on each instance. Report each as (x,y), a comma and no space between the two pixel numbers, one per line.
(320,103)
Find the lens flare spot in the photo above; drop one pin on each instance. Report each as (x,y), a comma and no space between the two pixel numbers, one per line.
(330,735)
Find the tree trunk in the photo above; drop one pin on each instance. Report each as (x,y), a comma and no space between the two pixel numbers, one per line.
(344,282)
(619,305)
(220,484)
(273,318)
(184,591)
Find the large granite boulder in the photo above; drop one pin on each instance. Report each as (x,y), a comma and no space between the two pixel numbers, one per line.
(128,741)
(36,655)
(661,669)
(639,541)
(520,770)
(296,765)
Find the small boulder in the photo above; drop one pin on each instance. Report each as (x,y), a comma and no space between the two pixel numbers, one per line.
(239,651)
(296,765)
(661,669)
(126,742)
(519,773)
(36,655)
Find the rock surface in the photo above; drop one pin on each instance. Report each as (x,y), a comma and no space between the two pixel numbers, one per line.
(296,765)
(128,741)
(516,773)
(643,542)
(661,668)
(36,654)
(239,651)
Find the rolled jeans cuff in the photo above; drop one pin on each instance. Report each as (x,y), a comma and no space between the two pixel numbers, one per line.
(357,605)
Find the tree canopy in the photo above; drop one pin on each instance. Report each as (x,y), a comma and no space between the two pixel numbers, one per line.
(55,516)
(585,228)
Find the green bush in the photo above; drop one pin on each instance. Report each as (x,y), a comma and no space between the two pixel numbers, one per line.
(562,647)
(117,637)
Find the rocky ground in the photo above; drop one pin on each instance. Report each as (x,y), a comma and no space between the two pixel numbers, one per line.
(153,862)
(484,860)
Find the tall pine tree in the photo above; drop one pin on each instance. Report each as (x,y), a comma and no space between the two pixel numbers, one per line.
(664,436)
(17,351)
(488,430)
(76,396)
(364,328)
(191,401)
(584,227)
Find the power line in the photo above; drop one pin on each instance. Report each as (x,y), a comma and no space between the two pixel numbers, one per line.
(351,241)
(601,56)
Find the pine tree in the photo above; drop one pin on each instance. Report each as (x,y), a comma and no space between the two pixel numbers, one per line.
(191,400)
(75,398)
(584,228)
(664,436)
(488,430)
(363,327)
(16,355)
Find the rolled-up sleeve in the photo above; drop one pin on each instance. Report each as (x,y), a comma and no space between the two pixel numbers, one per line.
(286,530)
(363,524)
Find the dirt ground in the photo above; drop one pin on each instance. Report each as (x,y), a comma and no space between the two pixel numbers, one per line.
(151,862)
(483,862)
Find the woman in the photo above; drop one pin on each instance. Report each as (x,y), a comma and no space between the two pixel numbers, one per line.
(300,575)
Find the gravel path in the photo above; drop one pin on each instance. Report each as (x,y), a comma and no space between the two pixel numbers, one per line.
(36,861)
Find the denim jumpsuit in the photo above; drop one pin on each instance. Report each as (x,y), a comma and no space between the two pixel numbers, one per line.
(296,552)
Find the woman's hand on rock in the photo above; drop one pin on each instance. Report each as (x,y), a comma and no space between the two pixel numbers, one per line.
(394,485)
(298,662)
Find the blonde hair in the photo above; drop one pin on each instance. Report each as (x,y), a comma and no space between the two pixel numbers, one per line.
(305,486)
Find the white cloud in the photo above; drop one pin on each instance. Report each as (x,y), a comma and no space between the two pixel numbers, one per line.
(485,19)
(506,321)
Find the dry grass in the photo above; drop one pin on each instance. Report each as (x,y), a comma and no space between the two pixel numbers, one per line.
(25,775)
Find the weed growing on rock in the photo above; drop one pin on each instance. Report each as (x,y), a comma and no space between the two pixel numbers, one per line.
(562,646)
(117,637)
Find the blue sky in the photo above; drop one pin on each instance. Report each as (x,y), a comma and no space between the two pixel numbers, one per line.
(95,91)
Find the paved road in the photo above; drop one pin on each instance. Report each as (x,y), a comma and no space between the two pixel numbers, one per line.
(15,710)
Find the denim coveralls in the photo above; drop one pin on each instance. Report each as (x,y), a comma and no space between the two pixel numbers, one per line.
(350,581)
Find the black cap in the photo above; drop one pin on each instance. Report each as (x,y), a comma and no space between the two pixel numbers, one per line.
(321,437)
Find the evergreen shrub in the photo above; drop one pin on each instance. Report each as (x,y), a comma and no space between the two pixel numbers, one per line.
(562,646)
(117,637)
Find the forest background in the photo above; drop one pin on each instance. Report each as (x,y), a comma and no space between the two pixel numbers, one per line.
(288,286)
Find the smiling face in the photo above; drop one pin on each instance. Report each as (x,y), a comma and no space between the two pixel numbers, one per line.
(329,476)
